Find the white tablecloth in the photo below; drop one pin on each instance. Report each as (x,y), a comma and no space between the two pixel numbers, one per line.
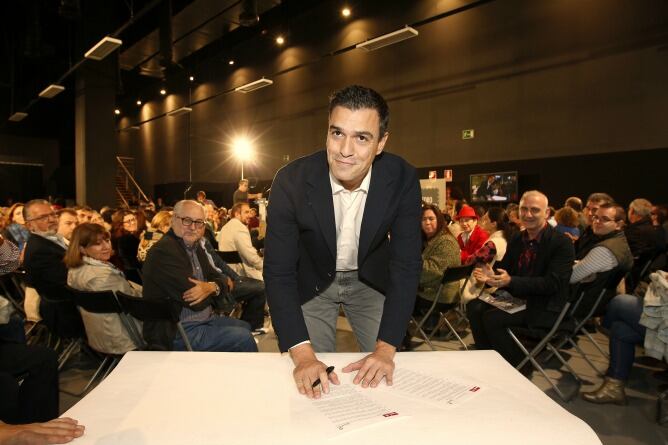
(232,398)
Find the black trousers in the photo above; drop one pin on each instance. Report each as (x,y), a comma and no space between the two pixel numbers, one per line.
(250,292)
(488,326)
(36,399)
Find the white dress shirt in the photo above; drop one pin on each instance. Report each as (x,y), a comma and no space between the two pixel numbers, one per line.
(348,214)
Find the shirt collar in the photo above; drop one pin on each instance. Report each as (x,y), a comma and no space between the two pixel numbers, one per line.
(337,187)
(525,235)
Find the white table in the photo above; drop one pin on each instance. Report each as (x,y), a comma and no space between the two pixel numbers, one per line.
(232,398)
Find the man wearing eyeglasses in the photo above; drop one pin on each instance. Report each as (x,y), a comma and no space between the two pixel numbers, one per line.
(45,270)
(610,251)
(177,269)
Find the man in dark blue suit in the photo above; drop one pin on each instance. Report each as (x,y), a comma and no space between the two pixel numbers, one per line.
(344,231)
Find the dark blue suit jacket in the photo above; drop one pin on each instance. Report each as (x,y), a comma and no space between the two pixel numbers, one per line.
(300,245)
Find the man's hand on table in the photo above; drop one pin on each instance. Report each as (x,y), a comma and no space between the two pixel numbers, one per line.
(308,369)
(374,366)
(55,431)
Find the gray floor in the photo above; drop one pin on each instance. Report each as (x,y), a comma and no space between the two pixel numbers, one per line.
(632,424)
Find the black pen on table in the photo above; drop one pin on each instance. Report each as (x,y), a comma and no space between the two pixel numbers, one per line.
(317,381)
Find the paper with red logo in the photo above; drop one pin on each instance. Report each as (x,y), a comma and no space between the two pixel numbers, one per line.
(347,408)
(445,393)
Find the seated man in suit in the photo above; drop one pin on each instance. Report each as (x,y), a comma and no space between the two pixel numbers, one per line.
(177,269)
(536,268)
(343,229)
(235,237)
(45,270)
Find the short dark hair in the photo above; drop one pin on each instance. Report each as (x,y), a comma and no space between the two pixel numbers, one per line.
(236,208)
(620,213)
(356,97)
(600,197)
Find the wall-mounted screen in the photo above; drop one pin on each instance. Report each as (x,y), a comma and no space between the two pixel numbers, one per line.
(494,187)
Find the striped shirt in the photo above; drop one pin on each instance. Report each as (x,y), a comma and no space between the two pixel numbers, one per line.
(599,259)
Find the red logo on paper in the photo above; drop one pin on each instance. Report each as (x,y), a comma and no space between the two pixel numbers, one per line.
(390,414)
(474,389)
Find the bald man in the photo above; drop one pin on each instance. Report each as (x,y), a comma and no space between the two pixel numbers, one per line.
(537,267)
(177,269)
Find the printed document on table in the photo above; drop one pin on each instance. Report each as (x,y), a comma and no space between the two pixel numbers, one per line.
(346,408)
(445,393)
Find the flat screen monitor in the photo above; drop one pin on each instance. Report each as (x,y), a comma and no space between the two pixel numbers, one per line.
(494,187)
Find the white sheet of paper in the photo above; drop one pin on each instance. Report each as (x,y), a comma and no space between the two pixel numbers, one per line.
(344,409)
(445,393)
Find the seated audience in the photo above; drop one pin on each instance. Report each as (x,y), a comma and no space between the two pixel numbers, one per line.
(472,236)
(644,240)
(623,321)
(9,256)
(587,235)
(67,222)
(45,270)
(660,218)
(512,210)
(87,259)
(84,214)
(202,199)
(536,267)
(497,223)
(575,203)
(567,222)
(440,251)
(611,250)
(178,270)
(14,226)
(125,242)
(235,237)
(160,225)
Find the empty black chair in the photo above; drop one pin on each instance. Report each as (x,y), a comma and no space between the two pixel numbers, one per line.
(152,310)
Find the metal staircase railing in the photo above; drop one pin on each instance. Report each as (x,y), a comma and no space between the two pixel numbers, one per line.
(127,188)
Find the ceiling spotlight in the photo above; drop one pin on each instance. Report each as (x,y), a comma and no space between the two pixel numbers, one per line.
(192,78)
(18,116)
(163,91)
(345,12)
(280,40)
(138,102)
(252,86)
(231,62)
(117,111)
(388,39)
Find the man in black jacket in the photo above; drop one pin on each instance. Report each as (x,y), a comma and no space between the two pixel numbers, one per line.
(536,267)
(45,270)
(177,269)
(343,230)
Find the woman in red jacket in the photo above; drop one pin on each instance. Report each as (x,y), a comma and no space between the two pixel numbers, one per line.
(472,237)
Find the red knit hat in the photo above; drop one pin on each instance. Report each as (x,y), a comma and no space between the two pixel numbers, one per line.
(467,212)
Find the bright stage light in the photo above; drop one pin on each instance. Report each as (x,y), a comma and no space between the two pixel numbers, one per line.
(243,149)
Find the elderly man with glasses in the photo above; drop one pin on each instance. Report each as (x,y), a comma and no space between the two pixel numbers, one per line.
(177,269)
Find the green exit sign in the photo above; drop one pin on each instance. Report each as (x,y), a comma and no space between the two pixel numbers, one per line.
(468,134)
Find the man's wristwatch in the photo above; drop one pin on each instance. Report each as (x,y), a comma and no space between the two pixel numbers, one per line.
(216,292)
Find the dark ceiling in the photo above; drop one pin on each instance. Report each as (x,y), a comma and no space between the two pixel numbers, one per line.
(43,42)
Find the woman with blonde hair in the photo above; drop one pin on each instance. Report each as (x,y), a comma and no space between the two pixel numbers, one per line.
(87,259)
(160,225)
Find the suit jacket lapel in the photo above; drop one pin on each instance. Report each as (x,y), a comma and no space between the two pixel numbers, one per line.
(319,196)
(375,208)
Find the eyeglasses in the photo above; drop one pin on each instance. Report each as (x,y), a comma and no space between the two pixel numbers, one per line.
(48,215)
(603,219)
(199,223)
(130,221)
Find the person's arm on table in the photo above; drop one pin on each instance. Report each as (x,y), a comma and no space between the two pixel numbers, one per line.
(308,368)
(405,267)
(62,430)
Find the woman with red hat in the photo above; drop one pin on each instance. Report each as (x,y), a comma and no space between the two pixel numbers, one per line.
(472,237)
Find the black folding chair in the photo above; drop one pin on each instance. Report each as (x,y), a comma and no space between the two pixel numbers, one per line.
(545,336)
(152,310)
(105,302)
(450,275)
(232,257)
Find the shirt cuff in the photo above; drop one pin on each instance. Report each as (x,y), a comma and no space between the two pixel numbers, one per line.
(299,344)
